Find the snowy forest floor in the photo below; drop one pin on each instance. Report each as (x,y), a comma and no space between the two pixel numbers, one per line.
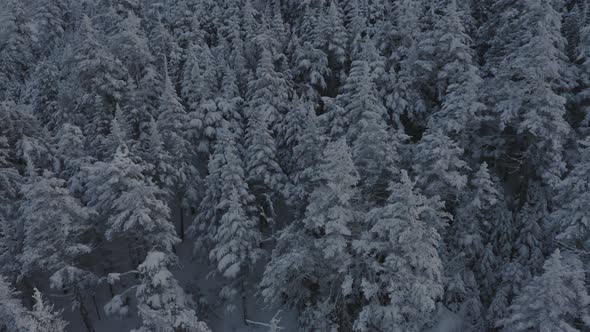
(190,272)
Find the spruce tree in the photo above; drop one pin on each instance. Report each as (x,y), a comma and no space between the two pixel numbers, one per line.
(172,123)
(302,148)
(531,240)
(311,71)
(198,87)
(53,225)
(404,277)
(526,94)
(269,92)
(152,152)
(42,318)
(16,53)
(227,225)
(171,120)
(557,300)
(230,103)
(15,317)
(12,311)
(361,119)
(162,303)
(315,252)
(55,229)
(461,114)
(131,205)
(356,22)
(583,61)
(10,184)
(404,97)
(264,173)
(102,78)
(572,213)
(24,149)
(332,38)
(439,166)
(50,17)
(45,94)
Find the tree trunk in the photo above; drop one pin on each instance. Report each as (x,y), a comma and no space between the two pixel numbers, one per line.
(132,254)
(107,271)
(111,290)
(96,307)
(27,290)
(181,224)
(85,317)
(244,309)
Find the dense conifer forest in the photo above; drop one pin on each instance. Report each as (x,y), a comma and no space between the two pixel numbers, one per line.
(294,165)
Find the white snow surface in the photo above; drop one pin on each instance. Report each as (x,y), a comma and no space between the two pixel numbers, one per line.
(190,272)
